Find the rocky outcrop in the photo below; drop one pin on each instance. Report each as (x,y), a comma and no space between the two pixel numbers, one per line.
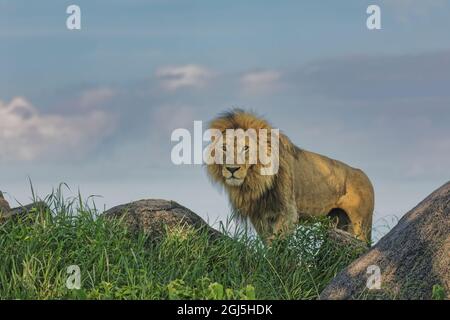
(154,216)
(4,205)
(11,213)
(413,257)
(347,239)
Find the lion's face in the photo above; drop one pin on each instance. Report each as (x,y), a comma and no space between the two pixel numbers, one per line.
(244,171)
(234,174)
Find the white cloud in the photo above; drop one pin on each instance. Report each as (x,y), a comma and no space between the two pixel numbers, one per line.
(27,135)
(259,82)
(175,77)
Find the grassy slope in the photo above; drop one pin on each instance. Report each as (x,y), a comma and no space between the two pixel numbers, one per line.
(35,253)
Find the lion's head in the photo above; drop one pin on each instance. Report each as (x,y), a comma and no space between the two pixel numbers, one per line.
(250,145)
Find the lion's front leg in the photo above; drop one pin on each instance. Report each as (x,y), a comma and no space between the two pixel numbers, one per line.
(277,224)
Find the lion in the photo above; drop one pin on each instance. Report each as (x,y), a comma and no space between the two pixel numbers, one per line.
(305,185)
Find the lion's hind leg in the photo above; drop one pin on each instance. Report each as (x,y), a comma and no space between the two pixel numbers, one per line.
(358,203)
(359,212)
(360,221)
(341,219)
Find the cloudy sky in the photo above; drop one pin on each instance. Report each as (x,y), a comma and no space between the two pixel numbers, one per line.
(95,108)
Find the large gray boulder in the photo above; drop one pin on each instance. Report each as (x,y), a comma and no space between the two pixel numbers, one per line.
(413,257)
(156,216)
(7,213)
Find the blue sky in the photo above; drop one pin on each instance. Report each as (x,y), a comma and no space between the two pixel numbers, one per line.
(95,108)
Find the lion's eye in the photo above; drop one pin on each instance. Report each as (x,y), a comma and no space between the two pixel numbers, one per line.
(246,148)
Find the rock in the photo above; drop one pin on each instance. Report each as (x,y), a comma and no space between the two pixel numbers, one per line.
(23,211)
(153,216)
(413,257)
(34,207)
(7,213)
(347,239)
(4,205)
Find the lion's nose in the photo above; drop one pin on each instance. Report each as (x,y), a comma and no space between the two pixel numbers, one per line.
(233,169)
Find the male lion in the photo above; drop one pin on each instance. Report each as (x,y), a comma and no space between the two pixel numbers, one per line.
(306,184)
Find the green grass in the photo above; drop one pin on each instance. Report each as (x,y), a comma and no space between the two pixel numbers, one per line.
(36,251)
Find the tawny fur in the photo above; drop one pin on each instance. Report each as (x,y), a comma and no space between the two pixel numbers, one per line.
(307,184)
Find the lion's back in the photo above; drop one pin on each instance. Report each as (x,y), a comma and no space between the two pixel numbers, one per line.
(319,181)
